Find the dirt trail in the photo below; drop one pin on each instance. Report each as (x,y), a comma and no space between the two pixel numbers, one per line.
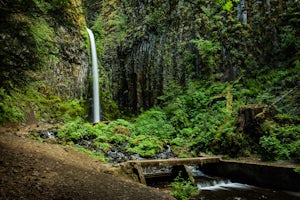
(33,170)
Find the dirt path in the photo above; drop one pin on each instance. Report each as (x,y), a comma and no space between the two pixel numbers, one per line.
(33,170)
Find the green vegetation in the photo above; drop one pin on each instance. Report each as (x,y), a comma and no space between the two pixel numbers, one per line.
(145,145)
(10,108)
(154,122)
(96,155)
(37,72)
(115,134)
(186,67)
(183,189)
(203,118)
(297,170)
(38,103)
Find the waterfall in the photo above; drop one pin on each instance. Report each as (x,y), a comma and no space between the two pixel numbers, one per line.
(96,100)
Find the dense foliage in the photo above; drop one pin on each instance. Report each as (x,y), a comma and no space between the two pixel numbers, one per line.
(202,118)
(197,63)
(43,60)
(186,67)
(148,45)
(183,189)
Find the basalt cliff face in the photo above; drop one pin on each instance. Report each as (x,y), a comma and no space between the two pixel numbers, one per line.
(149,45)
(44,41)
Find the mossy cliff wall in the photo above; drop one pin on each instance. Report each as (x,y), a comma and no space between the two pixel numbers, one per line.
(44,60)
(147,45)
(44,41)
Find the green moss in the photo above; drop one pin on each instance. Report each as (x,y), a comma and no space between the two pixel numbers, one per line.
(95,155)
(10,108)
(104,146)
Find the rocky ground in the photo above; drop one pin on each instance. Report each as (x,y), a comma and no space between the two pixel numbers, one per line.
(34,170)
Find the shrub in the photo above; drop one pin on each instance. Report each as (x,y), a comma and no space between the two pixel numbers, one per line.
(77,130)
(104,146)
(295,151)
(146,146)
(202,141)
(154,122)
(121,126)
(70,110)
(119,139)
(272,149)
(183,189)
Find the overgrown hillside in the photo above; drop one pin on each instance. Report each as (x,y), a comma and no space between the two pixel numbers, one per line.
(204,117)
(44,60)
(144,46)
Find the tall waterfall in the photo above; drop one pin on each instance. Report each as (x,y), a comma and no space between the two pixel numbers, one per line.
(96,100)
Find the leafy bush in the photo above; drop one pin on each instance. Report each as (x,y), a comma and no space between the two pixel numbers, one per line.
(70,110)
(117,125)
(286,118)
(77,130)
(208,51)
(118,139)
(183,189)
(272,149)
(154,123)
(202,142)
(144,145)
(295,150)
(104,146)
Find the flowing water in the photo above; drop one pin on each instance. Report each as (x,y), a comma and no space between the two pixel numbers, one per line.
(216,188)
(225,189)
(96,100)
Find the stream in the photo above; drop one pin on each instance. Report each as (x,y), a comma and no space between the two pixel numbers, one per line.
(216,188)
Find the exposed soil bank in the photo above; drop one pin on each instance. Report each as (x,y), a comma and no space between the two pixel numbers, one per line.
(33,170)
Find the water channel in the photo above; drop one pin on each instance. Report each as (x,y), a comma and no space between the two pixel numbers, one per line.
(218,188)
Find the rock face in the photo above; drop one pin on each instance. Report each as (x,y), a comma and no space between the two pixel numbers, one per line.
(70,71)
(44,41)
(148,45)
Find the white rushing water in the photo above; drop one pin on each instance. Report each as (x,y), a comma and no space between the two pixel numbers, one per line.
(221,185)
(96,99)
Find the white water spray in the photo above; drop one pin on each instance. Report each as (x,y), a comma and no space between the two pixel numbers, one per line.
(96,100)
(221,185)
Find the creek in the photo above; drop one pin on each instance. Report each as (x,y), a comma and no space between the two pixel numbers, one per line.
(220,188)
(216,188)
